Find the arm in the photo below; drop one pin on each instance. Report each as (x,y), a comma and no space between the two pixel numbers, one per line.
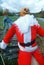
(8,37)
(40,30)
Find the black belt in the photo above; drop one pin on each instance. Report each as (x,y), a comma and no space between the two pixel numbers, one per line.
(27,44)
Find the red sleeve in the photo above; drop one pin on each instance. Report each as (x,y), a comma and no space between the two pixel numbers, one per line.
(9,34)
(40,30)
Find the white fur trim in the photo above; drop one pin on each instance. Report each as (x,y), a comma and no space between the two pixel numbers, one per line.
(24,22)
(27,49)
(3,45)
(27,36)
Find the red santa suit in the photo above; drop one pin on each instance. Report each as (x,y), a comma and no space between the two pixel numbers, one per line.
(26,28)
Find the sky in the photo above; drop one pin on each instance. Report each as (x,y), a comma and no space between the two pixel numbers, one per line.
(34,6)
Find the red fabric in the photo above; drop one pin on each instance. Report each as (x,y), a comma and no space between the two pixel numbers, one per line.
(20,36)
(40,31)
(34,44)
(39,57)
(33,32)
(43,57)
(25,58)
(9,34)
(36,30)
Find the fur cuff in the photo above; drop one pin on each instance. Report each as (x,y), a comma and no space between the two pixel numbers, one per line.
(3,45)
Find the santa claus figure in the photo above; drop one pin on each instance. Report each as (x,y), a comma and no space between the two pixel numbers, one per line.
(26,28)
